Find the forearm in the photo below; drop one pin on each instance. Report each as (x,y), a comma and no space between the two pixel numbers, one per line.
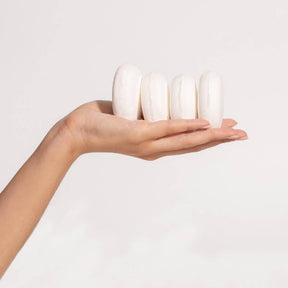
(25,198)
(92,128)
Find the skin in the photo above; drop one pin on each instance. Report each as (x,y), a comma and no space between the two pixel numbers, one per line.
(92,127)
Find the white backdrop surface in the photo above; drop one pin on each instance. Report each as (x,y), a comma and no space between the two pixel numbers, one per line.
(217,218)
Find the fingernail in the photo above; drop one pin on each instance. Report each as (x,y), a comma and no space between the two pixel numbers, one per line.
(206,127)
(234,137)
(243,138)
(202,121)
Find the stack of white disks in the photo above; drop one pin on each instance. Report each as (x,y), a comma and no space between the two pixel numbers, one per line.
(136,96)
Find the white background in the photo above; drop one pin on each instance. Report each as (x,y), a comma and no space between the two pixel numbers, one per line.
(217,218)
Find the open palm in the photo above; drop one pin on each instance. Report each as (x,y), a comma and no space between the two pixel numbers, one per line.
(95,129)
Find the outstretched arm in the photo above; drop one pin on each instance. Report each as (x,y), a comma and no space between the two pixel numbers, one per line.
(91,128)
(25,198)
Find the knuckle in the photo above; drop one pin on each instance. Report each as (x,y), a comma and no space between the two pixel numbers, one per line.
(185,141)
(213,134)
(186,125)
(166,126)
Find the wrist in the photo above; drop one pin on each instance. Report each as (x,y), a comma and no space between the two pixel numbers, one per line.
(62,141)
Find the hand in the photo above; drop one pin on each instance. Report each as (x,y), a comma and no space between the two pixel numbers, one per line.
(94,128)
(91,128)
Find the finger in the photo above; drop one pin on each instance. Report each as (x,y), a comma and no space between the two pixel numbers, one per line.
(164,128)
(192,139)
(228,123)
(189,150)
